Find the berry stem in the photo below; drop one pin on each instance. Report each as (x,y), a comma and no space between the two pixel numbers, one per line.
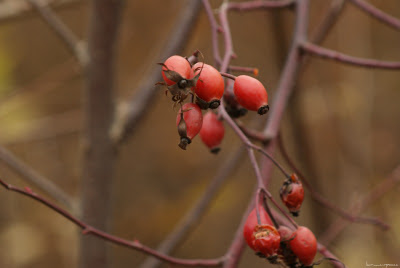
(230,76)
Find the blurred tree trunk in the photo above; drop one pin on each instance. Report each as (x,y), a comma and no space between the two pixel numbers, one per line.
(99,151)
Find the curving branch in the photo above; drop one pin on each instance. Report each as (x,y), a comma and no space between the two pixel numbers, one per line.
(77,47)
(344,58)
(38,180)
(131,113)
(378,14)
(90,230)
(376,193)
(323,201)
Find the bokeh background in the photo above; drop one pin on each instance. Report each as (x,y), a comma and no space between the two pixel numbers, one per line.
(341,127)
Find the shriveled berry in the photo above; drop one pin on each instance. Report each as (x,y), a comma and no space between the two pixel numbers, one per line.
(292,194)
(210,85)
(251,223)
(212,132)
(189,122)
(266,240)
(304,245)
(251,94)
(179,65)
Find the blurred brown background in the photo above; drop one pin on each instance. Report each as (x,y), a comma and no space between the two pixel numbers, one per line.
(342,128)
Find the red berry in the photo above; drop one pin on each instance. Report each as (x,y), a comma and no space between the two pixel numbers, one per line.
(266,240)
(189,123)
(251,224)
(212,132)
(292,194)
(304,245)
(285,233)
(251,94)
(177,64)
(210,85)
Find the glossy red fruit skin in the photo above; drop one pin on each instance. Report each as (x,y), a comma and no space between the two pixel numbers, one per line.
(251,94)
(251,223)
(193,119)
(292,194)
(266,240)
(304,245)
(178,64)
(210,86)
(212,132)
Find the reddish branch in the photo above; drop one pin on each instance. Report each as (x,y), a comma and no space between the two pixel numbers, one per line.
(344,58)
(36,179)
(378,14)
(90,230)
(323,201)
(258,5)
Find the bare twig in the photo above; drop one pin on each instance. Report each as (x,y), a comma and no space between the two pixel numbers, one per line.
(130,114)
(321,32)
(214,32)
(99,150)
(257,5)
(77,47)
(11,10)
(38,180)
(192,218)
(90,230)
(378,14)
(344,58)
(380,190)
(323,201)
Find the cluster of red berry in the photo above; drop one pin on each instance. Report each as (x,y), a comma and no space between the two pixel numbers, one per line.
(279,244)
(206,86)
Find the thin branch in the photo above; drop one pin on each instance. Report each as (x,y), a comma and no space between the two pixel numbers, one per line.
(38,180)
(130,114)
(192,218)
(272,159)
(11,10)
(328,22)
(215,29)
(376,193)
(323,201)
(378,14)
(344,58)
(77,47)
(90,230)
(257,5)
